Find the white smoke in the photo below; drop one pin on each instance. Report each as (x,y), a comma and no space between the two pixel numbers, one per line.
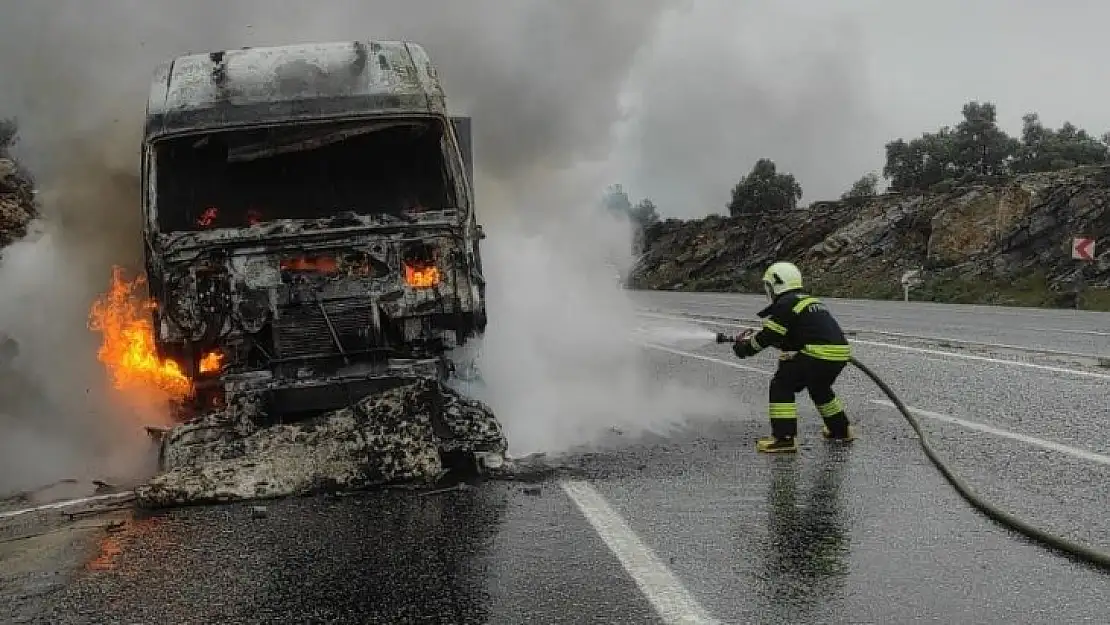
(561,362)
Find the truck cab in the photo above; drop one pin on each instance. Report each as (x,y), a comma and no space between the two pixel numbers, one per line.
(308,222)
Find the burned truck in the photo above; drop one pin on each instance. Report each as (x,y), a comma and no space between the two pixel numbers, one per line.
(309,225)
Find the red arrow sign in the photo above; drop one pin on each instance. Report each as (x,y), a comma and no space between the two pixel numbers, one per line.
(1083,248)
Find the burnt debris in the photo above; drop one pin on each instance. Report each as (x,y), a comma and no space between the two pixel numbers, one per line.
(409,434)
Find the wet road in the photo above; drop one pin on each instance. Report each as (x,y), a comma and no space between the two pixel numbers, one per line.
(692,528)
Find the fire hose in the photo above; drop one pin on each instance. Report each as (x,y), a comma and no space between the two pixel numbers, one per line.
(1069,547)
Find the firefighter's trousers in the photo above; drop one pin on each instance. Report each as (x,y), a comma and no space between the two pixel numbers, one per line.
(803,372)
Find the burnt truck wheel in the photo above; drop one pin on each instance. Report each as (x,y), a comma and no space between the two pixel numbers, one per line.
(489,461)
(464,464)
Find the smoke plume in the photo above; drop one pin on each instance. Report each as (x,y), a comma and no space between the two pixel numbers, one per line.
(542,82)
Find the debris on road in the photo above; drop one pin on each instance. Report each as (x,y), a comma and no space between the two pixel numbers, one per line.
(103,487)
(407,434)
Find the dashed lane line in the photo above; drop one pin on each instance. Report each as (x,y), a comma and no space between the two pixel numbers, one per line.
(671,600)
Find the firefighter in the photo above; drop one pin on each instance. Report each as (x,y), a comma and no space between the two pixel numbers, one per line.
(814,352)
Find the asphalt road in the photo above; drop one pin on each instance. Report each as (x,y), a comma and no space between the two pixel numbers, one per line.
(694,527)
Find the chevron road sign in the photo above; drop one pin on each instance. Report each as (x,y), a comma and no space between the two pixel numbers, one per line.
(1083,248)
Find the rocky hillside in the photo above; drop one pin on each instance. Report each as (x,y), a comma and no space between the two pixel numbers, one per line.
(1007,242)
(17,202)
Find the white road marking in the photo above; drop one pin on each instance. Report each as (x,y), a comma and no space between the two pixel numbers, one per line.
(999,361)
(57,505)
(1082,454)
(923,350)
(667,595)
(1063,331)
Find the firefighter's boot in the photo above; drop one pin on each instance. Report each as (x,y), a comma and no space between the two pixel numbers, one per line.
(836,427)
(773,445)
(784,431)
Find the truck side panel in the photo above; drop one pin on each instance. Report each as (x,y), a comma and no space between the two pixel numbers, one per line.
(462,129)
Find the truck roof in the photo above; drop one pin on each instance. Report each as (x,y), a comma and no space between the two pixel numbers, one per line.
(285,83)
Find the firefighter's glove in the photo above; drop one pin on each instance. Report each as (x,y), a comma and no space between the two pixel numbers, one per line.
(743,349)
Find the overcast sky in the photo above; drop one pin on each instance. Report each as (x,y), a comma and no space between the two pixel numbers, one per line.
(819,86)
(707,86)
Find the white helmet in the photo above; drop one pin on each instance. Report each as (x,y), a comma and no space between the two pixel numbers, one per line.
(780,278)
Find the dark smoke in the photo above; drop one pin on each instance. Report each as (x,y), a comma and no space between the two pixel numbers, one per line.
(540,78)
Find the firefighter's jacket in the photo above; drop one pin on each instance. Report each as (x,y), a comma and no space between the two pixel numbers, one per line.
(796,322)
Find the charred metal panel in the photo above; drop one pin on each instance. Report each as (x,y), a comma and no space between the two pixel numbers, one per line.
(311,308)
(339,299)
(307,230)
(331,328)
(286,83)
(462,129)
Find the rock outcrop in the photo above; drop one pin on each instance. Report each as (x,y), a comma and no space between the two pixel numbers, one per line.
(1008,242)
(17,202)
(398,436)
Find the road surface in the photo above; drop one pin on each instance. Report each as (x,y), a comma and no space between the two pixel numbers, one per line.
(694,527)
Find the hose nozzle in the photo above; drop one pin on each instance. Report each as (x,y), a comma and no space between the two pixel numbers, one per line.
(729,338)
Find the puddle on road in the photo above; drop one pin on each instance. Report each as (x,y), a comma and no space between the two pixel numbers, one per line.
(112,545)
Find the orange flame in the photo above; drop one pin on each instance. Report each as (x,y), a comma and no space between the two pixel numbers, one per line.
(212,361)
(321,264)
(127,347)
(421,277)
(208,216)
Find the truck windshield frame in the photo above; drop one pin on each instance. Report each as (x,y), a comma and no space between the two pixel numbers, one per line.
(236,178)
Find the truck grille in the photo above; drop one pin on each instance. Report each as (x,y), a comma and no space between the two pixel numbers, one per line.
(302,330)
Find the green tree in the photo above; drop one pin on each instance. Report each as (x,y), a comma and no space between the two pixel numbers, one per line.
(866,186)
(922,162)
(1044,149)
(979,145)
(642,216)
(9,134)
(764,189)
(976,146)
(616,201)
(644,213)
